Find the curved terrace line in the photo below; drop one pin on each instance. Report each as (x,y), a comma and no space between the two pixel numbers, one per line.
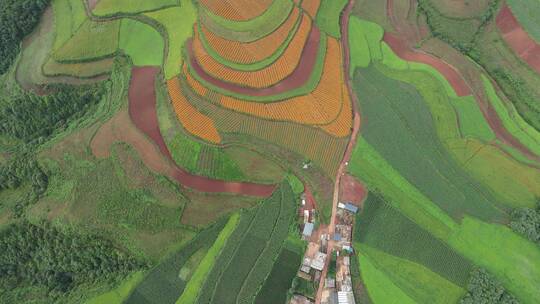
(142,111)
(295,80)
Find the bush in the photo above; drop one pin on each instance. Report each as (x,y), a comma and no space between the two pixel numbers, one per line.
(483,288)
(526,221)
(18,18)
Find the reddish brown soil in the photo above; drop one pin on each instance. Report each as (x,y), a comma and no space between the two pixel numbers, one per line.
(518,39)
(142,110)
(298,78)
(351,190)
(449,72)
(92,4)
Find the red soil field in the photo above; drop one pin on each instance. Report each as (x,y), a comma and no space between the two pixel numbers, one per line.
(518,39)
(351,190)
(295,80)
(449,72)
(142,110)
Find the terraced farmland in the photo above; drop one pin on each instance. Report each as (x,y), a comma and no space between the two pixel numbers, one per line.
(188,143)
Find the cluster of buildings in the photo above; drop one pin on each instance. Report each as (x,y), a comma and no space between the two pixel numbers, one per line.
(337,287)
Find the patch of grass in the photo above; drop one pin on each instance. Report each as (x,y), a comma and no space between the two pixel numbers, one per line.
(511,258)
(296,184)
(130,7)
(364,42)
(120,293)
(471,120)
(380,288)
(68,17)
(328,16)
(141,42)
(176,30)
(195,283)
(254,166)
(415,280)
(215,163)
(91,41)
(527,12)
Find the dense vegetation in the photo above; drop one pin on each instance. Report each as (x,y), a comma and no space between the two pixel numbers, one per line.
(526,221)
(17,19)
(483,288)
(56,261)
(30,117)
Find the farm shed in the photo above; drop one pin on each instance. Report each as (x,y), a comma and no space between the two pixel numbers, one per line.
(308,230)
(345,297)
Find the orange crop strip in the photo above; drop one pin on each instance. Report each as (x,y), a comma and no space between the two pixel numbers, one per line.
(311,7)
(246,53)
(238,10)
(193,83)
(320,107)
(341,126)
(265,77)
(193,121)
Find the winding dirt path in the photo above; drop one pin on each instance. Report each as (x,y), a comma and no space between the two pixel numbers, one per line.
(344,22)
(297,79)
(518,39)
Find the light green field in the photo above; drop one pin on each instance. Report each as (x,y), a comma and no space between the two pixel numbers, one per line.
(191,291)
(328,16)
(380,288)
(93,40)
(527,12)
(409,276)
(472,123)
(120,293)
(364,42)
(141,42)
(178,30)
(69,15)
(120,7)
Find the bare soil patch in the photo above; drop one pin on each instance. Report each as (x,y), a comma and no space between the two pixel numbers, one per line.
(298,78)
(351,190)
(518,39)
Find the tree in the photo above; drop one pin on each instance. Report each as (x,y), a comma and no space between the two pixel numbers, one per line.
(483,288)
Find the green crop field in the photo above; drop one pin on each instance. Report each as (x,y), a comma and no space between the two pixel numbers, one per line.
(328,16)
(120,293)
(121,7)
(141,42)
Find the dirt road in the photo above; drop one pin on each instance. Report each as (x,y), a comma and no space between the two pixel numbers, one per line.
(350,147)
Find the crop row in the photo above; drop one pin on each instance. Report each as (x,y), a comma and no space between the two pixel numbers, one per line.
(249,52)
(320,107)
(265,77)
(312,143)
(238,10)
(193,121)
(405,239)
(162,284)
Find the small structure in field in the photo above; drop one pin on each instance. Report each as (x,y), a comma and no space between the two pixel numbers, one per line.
(348,207)
(308,230)
(345,297)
